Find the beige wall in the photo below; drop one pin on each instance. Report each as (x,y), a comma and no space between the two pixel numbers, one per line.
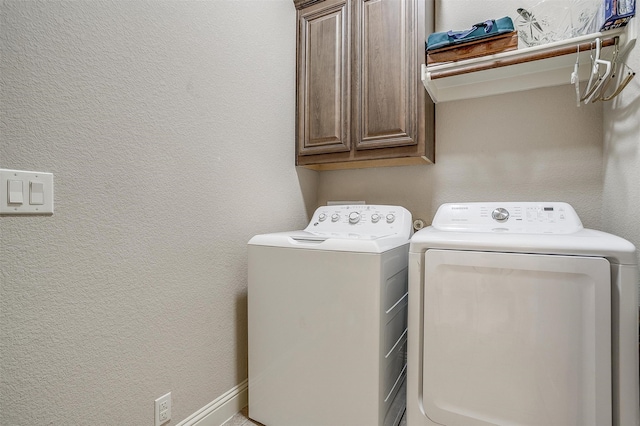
(169,128)
(529,146)
(621,195)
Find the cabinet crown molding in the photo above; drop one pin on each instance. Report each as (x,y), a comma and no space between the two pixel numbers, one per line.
(300,4)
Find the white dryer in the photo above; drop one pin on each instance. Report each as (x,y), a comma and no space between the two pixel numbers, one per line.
(520,316)
(327,313)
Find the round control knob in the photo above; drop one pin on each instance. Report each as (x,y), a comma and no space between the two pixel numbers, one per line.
(322,217)
(375,218)
(335,217)
(391,217)
(354,217)
(500,214)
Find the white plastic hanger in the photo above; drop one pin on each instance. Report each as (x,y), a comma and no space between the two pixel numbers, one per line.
(615,75)
(590,90)
(575,77)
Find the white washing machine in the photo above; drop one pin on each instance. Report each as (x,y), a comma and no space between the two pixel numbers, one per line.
(327,319)
(520,316)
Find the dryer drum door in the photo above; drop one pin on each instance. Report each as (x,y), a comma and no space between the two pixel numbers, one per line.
(516,339)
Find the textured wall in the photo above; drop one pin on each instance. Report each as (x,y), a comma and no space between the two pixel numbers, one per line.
(169,128)
(530,146)
(621,198)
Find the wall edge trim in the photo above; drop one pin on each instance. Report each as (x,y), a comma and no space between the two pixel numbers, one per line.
(218,411)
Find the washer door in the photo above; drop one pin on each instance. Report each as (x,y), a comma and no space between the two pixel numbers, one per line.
(516,339)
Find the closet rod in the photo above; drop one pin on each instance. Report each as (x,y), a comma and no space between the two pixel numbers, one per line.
(520,59)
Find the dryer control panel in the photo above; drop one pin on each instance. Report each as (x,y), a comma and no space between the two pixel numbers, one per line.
(360,221)
(516,217)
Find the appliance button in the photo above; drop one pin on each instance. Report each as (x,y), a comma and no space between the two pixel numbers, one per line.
(354,217)
(375,218)
(391,217)
(322,217)
(335,217)
(500,214)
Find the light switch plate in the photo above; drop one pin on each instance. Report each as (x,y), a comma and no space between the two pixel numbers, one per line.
(37,203)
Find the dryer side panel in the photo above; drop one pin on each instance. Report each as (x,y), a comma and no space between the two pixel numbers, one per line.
(516,339)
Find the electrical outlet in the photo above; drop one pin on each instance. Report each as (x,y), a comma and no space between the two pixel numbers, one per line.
(163,409)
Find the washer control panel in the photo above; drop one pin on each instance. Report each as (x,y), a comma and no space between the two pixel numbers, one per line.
(360,220)
(515,217)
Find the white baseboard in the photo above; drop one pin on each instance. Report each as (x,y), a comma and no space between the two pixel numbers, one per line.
(217,412)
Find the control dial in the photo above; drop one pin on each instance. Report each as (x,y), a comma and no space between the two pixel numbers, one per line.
(375,218)
(391,217)
(335,217)
(354,217)
(500,214)
(322,216)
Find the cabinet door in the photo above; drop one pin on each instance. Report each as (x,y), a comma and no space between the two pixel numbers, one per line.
(390,100)
(323,78)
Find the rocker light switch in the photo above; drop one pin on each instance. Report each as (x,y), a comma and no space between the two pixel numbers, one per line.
(36,193)
(14,198)
(14,188)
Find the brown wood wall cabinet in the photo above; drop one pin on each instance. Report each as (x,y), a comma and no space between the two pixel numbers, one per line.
(359,98)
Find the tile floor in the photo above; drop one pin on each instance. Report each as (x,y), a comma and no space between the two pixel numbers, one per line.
(241,419)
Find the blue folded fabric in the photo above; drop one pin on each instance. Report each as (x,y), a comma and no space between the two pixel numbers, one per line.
(486,29)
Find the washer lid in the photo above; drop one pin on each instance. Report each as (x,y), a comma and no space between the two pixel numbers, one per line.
(310,241)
